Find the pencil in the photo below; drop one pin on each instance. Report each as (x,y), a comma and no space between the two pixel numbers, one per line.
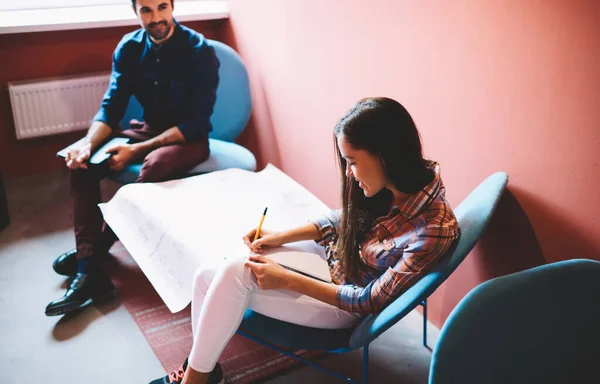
(262,219)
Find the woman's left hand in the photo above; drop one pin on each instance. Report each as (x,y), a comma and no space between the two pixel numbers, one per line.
(269,274)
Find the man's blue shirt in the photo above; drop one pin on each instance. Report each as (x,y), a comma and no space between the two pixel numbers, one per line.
(176,82)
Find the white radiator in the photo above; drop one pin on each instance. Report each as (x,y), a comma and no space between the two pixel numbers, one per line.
(50,106)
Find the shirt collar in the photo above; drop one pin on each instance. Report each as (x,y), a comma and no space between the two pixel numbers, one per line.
(150,46)
(413,205)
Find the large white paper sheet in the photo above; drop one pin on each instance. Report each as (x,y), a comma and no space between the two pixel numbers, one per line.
(171,228)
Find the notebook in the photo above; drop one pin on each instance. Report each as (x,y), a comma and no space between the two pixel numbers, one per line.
(307,263)
(99,155)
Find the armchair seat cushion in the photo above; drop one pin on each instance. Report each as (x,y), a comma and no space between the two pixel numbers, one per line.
(223,155)
(288,335)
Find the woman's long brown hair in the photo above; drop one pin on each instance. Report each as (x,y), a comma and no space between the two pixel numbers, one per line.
(384,128)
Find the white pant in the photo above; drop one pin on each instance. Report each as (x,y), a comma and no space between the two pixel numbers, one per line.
(222,293)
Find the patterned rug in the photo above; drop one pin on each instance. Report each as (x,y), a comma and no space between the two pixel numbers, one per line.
(170,334)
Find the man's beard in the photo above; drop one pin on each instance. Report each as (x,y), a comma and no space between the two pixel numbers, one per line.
(159,30)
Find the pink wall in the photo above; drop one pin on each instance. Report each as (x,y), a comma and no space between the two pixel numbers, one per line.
(493,85)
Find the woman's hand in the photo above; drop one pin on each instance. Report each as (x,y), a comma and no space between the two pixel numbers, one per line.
(267,239)
(269,274)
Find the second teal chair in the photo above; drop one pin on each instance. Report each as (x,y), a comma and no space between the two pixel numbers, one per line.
(541,325)
(229,118)
(473,215)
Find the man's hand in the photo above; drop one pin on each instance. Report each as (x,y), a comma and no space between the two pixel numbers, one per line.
(76,157)
(122,155)
(269,274)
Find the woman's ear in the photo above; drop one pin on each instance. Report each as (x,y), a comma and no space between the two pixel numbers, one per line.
(383,166)
(388,180)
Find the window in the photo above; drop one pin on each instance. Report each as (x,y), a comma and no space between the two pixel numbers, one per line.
(18,16)
(15,5)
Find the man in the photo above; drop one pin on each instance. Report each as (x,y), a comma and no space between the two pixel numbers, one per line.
(173,72)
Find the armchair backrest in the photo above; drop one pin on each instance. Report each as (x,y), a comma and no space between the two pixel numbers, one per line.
(473,216)
(535,326)
(233,105)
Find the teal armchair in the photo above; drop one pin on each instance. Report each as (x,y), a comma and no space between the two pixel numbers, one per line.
(473,215)
(540,325)
(230,116)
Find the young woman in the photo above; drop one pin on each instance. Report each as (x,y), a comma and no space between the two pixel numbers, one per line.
(394,226)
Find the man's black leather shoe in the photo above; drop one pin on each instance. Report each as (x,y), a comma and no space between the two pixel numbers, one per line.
(66,264)
(84,290)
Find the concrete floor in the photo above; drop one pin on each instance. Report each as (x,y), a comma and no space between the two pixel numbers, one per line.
(103,344)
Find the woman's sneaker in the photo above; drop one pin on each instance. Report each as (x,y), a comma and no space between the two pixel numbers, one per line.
(176,377)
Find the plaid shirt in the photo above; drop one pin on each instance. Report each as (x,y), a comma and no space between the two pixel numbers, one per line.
(397,252)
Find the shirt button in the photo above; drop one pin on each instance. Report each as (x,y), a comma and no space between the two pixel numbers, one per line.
(156,83)
(158,60)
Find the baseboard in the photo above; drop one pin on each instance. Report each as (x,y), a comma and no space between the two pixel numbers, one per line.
(4,219)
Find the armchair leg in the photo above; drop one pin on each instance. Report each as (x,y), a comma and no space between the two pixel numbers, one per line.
(307,362)
(424,304)
(366,364)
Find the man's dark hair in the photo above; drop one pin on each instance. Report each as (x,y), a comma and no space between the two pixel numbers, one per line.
(133,3)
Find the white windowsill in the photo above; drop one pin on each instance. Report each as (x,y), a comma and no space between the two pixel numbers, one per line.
(57,19)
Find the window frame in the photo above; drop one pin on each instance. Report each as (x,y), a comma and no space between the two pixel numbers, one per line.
(99,16)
